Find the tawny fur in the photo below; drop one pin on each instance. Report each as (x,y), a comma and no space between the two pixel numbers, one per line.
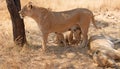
(71,37)
(64,39)
(74,36)
(77,33)
(60,40)
(103,51)
(103,60)
(50,21)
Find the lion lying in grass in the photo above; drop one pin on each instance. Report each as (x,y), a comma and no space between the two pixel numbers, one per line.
(50,21)
(103,51)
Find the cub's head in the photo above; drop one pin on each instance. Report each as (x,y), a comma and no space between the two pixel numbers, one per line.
(25,11)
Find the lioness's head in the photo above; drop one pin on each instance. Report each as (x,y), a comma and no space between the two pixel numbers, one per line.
(25,11)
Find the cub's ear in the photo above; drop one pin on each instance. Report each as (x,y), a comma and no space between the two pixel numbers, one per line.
(30,5)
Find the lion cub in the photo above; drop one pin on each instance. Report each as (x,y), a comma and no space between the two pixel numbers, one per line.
(60,40)
(102,50)
(77,34)
(70,37)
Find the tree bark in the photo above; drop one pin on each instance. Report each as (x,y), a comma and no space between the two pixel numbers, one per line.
(19,36)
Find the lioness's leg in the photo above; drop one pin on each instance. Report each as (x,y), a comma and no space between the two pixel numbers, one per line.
(84,41)
(84,29)
(70,37)
(44,41)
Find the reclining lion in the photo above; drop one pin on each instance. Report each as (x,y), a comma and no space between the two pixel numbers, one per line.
(102,50)
(50,21)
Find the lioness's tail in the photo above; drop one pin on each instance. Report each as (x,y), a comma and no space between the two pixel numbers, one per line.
(93,21)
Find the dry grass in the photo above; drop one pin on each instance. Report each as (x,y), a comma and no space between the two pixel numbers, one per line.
(31,57)
(95,5)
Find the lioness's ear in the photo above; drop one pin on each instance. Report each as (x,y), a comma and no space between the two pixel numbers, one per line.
(49,9)
(30,5)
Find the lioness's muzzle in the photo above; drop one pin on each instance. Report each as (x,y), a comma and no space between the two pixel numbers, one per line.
(21,15)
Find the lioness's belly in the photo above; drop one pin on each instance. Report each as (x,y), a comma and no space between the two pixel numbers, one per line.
(64,25)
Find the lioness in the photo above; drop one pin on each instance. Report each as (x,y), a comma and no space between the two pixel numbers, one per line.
(50,21)
(102,50)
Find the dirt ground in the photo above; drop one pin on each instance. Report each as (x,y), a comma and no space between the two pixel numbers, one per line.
(56,57)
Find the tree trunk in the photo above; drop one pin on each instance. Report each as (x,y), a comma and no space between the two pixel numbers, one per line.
(18,25)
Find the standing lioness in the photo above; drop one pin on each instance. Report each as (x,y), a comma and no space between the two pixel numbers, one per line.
(49,21)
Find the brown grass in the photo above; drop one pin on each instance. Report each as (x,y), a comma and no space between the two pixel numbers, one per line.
(95,5)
